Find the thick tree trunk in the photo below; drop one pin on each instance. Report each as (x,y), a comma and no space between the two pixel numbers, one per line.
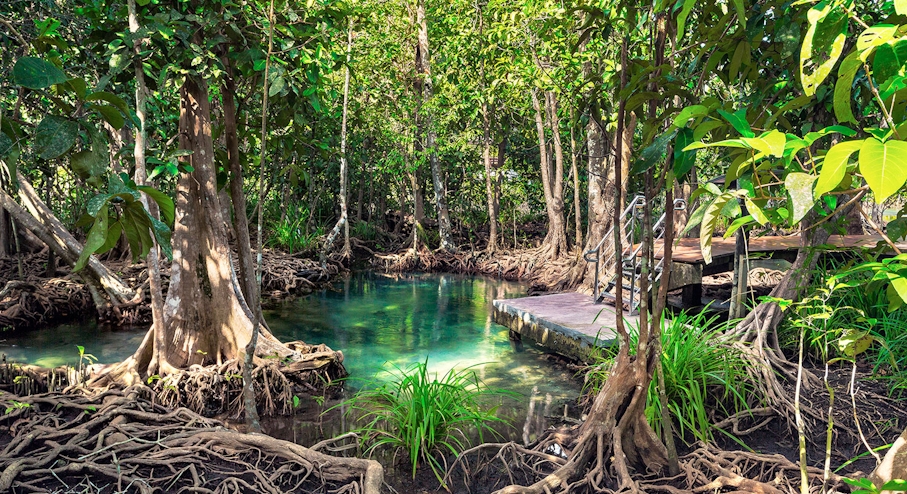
(603,188)
(206,319)
(555,241)
(423,68)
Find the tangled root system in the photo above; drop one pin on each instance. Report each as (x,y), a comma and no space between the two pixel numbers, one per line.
(119,441)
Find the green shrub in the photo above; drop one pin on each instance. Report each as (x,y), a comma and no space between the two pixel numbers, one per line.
(290,235)
(703,374)
(424,416)
(364,231)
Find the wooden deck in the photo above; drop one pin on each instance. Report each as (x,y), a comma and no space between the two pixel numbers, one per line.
(566,323)
(571,323)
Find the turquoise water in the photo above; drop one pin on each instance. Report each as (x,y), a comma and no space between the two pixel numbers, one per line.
(379,322)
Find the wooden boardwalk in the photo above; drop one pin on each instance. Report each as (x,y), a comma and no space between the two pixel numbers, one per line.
(566,323)
(571,323)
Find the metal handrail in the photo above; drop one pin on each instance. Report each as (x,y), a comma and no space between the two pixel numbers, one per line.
(629,221)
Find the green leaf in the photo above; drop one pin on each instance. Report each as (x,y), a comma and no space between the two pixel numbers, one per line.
(835,164)
(683,160)
(97,236)
(692,111)
(900,6)
(853,343)
(755,211)
(771,143)
(54,136)
(710,222)
(738,224)
(163,201)
(822,45)
(653,153)
(682,17)
(874,36)
(800,188)
(897,228)
(6,145)
(35,73)
(111,98)
(884,166)
(900,285)
(888,61)
(113,236)
(111,115)
(844,87)
(738,120)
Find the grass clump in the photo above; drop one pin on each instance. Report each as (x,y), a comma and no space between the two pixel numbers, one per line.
(290,235)
(423,416)
(705,377)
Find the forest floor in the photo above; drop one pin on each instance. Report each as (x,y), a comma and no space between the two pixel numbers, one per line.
(882,420)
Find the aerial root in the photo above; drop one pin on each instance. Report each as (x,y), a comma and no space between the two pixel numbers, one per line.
(120,440)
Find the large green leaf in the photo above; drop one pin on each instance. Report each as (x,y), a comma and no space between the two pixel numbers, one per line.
(164,203)
(55,136)
(111,115)
(6,144)
(873,37)
(97,237)
(822,45)
(653,153)
(800,189)
(35,73)
(683,160)
(835,164)
(884,166)
(844,87)
(692,111)
(91,164)
(738,120)
(889,60)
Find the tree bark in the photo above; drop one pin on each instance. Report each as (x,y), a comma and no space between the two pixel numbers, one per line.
(343,223)
(237,196)
(44,224)
(555,241)
(423,68)
(577,209)
(490,181)
(153,259)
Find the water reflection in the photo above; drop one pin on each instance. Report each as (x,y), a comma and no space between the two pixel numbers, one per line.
(382,322)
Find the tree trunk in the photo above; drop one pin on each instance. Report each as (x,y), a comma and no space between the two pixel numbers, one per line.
(343,223)
(41,221)
(4,233)
(423,68)
(603,188)
(555,241)
(577,209)
(490,181)
(237,196)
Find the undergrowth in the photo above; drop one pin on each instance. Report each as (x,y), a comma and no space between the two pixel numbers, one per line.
(423,416)
(705,378)
(845,310)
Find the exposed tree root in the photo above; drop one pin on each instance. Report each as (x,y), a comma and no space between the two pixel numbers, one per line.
(37,301)
(531,265)
(119,441)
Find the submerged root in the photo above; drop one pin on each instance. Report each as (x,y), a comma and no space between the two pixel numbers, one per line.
(119,441)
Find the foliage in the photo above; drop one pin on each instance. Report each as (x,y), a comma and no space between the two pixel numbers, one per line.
(703,374)
(290,234)
(865,486)
(425,417)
